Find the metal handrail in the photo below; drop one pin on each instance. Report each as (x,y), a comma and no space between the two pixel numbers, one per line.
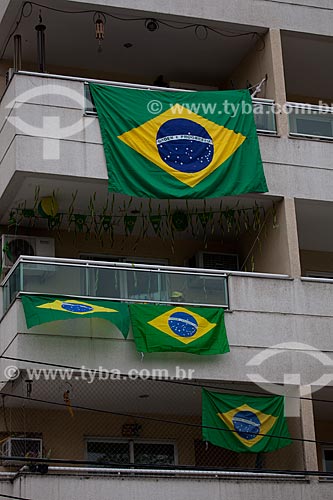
(120,84)
(310,107)
(137,267)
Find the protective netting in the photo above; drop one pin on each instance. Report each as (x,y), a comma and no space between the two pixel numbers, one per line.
(113,423)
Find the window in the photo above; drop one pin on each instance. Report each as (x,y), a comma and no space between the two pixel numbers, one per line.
(328,459)
(138,452)
(319,274)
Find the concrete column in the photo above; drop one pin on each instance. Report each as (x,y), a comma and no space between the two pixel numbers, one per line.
(277,75)
(292,237)
(308,430)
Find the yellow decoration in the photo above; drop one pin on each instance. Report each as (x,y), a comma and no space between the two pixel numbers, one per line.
(48,207)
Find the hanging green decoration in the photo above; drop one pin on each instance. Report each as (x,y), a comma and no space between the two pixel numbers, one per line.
(12,219)
(204,218)
(54,222)
(179,220)
(48,207)
(274,214)
(155,221)
(106,222)
(229,215)
(28,213)
(129,221)
(80,222)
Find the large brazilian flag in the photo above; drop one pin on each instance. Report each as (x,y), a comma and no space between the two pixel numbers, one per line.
(195,330)
(244,423)
(165,144)
(40,309)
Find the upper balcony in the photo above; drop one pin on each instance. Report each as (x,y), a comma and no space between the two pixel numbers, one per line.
(146,51)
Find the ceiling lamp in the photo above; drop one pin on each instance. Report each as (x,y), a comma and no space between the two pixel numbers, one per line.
(151,24)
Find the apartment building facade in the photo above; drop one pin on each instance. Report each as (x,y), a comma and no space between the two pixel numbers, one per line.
(266,259)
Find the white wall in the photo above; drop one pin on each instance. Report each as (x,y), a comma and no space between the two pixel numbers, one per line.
(106,488)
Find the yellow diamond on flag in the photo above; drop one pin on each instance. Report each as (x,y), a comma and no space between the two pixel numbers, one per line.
(182,324)
(75,307)
(203,145)
(250,425)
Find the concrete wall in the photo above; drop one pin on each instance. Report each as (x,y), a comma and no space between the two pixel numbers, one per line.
(256,65)
(64,437)
(275,245)
(84,487)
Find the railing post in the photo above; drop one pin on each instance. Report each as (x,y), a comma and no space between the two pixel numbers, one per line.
(87,280)
(21,275)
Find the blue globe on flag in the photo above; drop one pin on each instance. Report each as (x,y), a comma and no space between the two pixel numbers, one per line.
(185,145)
(246,424)
(76,308)
(183,324)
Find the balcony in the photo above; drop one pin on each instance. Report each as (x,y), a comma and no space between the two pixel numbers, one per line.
(116,281)
(60,481)
(78,157)
(263,310)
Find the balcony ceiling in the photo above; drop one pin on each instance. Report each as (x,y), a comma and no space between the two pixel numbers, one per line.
(177,54)
(307,66)
(140,397)
(314,221)
(23,188)
(125,396)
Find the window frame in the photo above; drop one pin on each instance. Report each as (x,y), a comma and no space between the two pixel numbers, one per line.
(323,449)
(131,442)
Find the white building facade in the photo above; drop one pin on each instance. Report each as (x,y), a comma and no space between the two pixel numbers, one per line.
(267,259)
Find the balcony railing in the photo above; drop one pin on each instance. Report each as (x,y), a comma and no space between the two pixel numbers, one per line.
(306,120)
(115,281)
(263,109)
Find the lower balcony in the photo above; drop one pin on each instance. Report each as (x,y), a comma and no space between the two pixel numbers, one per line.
(142,438)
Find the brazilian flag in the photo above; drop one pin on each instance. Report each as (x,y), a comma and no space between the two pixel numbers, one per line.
(164,144)
(195,330)
(244,423)
(40,309)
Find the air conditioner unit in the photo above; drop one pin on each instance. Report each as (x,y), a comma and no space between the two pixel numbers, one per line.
(19,447)
(214,260)
(12,246)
